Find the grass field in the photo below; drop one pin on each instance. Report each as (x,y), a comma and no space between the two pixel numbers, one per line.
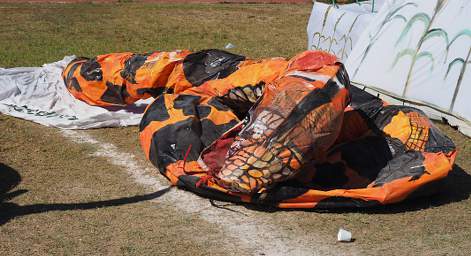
(61,197)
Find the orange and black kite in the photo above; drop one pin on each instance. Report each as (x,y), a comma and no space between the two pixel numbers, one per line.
(285,133)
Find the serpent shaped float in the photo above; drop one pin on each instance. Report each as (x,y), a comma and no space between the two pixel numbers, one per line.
(286,133)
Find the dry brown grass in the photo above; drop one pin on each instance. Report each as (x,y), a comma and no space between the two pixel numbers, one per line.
(69,202)
(61,177)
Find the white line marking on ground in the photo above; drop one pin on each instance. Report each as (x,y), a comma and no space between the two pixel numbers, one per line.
(251,230)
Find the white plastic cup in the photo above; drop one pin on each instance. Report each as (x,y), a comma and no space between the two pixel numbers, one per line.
(344,235)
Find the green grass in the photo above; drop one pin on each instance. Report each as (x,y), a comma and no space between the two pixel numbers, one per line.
(56,171)
(34,34)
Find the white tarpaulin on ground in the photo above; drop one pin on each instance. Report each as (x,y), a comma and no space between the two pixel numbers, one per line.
(336,28)
(38,94)
(419,52)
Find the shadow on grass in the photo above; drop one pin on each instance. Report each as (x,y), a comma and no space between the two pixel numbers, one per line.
(455,187)
(10,178)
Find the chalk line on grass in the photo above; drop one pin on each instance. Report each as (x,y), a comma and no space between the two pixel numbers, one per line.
(250,230)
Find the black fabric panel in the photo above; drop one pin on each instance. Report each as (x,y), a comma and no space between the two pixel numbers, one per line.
(69,79)
(154,92)
(75,84)
(187,103)
(91,70)
(280,193)
(70,74)
(217,103)
(395,146)
(171,143)
(211,132)
(367,156)
(157,111)
(330,176)
(203,111)
(188,182)
(438,142)
(365,102)
(206,65)
(115,94)
(409,164)
(132,65)
(344,202)
(342,76)
(314,99)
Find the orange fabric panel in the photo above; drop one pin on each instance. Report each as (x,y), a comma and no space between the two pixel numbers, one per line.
(119,79)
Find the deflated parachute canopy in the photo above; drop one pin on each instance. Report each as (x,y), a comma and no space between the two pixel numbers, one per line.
(287,133)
